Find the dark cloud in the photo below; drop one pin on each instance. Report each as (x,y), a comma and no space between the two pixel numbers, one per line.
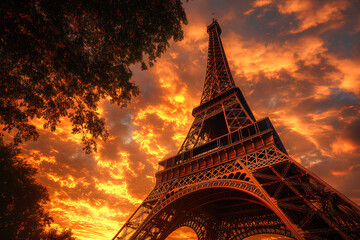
(319,72)
(267,24)
(337,99)
(343,41)
(348,181)
(352,131)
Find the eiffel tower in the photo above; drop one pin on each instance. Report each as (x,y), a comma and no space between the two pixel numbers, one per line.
(232,177)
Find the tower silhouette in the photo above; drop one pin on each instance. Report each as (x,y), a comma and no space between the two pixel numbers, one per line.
(232,177)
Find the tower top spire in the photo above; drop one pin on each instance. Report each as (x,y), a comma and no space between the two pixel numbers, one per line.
(214,25)
(218,76)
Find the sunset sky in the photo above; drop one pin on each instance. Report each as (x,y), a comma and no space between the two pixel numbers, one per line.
(296,61)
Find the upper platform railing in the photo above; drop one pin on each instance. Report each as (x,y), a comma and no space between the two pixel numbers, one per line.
(250,131)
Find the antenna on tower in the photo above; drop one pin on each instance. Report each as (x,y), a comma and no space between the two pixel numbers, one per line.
(213,16)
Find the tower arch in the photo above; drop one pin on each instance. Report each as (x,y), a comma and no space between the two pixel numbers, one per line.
(215,209)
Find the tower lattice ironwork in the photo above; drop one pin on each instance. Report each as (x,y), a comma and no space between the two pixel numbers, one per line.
(232,177)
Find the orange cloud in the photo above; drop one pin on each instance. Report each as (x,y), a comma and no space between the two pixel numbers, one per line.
(35,158)
(342,145)
(118,190)
(195,33)
(68,181)
(311,14)
(351,74)
(249,57)
(174,111)
(261,3)
(117,168)
(345,172)
(86,220)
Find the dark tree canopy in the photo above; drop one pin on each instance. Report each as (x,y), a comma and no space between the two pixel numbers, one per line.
(22,215)
(58,58)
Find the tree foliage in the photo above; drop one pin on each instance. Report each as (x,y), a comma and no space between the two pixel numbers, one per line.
(22,215)
(54,234)
(59,58)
